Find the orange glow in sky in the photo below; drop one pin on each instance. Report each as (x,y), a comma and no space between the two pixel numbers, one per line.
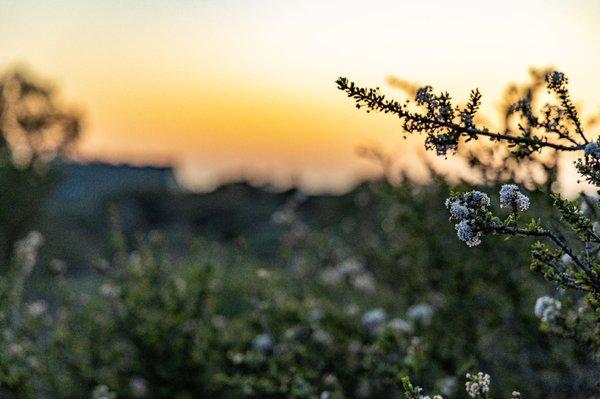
(228,88)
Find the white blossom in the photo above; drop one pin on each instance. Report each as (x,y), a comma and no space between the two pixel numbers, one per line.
(400,326)
(27,250)
(263,343)
(102,392)
(15,349)
(350,267)
(466,233)
(322,337)
(421,312)
(109,290)
(364,282)
(547,308)
(373,319)
(262,273)
(37,308)
(58,266)
(138,386)
(478,384)
(447,385)
(511,197)
(315,315)
(458,211)
(331,276)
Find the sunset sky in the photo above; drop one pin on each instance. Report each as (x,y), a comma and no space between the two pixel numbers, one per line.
(230,88)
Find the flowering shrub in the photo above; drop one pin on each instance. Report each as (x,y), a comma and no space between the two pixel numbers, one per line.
(469,307)
(150,326)
(571,259)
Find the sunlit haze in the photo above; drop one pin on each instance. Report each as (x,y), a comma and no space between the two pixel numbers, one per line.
(245,89)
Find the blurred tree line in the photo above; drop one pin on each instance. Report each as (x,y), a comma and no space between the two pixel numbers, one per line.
(34,129)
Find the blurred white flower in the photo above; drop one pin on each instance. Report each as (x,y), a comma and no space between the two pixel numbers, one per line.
(331,276)
(322,337)
(374,319)
(27,251)
(447,385)
(58,266)
(135,259)
(109,290)
(138,386)
(547,308)
(421,312)
(315,315)
(400,326)
(102,392)
(15,349)
(262,273)
(180,285)
(37,308)
(364,282)
(352,309)
(263,343)
(350,267)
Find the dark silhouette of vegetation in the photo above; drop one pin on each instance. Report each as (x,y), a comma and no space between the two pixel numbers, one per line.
(34,130)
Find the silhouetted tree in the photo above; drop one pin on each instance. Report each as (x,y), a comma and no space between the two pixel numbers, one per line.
(34,129)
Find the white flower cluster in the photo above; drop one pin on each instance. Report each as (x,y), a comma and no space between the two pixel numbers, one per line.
(109,290)
(263,343)
(592,149)
(421,312)
(138,386)
(37,308)
(102,392)
(466,233)
(464,209)
(511,197)
(419,390)
(352,271)
(547,308)
(400,326)
(27,250)
(478,384)
(373,320)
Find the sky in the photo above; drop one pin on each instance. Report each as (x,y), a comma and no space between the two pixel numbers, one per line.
(235,89)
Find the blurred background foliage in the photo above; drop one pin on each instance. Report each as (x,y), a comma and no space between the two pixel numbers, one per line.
(134,287)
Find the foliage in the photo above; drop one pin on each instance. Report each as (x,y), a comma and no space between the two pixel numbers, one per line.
(367,290)
(34,129)
(571,260)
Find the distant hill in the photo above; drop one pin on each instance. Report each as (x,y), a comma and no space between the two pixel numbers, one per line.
(86,186)
(78,214)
